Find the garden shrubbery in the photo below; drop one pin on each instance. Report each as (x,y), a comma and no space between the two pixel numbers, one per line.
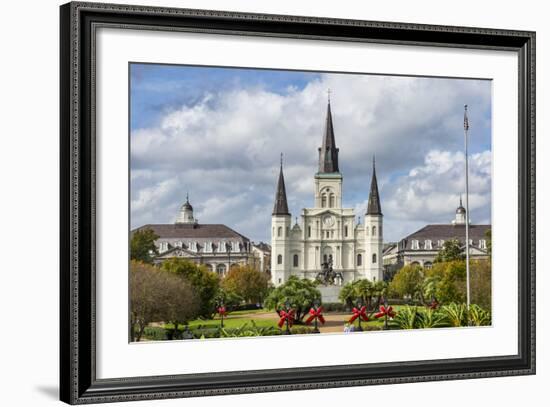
(451,315)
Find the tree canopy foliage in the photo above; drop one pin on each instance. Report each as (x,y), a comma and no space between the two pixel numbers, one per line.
(156,295)
(246,282)
(408,281)
(370,293)
(451,251)
(205,283)
(142,245)
(300,293)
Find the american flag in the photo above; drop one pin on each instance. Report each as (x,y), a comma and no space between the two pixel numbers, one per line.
(466,124)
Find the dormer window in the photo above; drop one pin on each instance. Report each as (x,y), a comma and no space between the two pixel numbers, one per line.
(415,245)
(427,244)
(221,247)
(440,243)
(163,246)
(236,247)
(483,244)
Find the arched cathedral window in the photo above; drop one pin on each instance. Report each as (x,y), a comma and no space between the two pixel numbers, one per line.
(331,201)
(374,258)
(279,231)
(346,231)
(324,201)
(374,230)
(359,260)
(295,261)
(280,259)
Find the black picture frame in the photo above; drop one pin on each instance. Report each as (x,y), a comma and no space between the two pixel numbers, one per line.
(78,382)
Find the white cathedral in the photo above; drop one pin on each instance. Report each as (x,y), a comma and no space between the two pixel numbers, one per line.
(327,233)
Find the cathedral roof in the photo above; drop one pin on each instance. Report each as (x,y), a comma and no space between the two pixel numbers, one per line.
(193,231)
(328,153)
(374,207)
(281,205)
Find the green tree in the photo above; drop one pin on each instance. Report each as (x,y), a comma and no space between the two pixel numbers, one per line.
(205,283)
(145,291)
(480,283)
(142,245)
(300,293)
(247,282)
(408,281)
(179,301)
(450,278)
(451,250)
(368,292)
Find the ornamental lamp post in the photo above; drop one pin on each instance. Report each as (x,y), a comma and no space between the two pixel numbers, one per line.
(287,309)
(316,305)
(359,306)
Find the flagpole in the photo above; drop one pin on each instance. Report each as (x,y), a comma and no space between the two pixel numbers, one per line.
(466,128)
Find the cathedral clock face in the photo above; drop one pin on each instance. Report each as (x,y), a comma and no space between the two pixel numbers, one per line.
(328,220)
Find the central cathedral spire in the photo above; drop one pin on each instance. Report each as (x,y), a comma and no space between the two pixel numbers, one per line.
(328,153)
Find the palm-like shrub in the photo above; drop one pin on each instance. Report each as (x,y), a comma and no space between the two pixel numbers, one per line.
(455,314)
(406,318)
(431,319)
(300,293)
(248,330)
(479,316)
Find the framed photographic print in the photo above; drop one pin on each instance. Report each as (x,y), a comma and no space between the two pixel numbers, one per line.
(256,203)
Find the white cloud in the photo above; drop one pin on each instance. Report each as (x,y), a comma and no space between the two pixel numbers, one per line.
(224,150)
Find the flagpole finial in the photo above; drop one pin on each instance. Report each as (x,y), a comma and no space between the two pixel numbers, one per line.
(466,123)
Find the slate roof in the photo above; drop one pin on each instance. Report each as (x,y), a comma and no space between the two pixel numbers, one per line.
(281,206)
(445,232)
(328,153)
(193,231)
(374,207)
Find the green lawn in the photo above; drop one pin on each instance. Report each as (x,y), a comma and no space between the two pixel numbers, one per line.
(236,319)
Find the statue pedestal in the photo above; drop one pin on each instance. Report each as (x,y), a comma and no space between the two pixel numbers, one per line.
(329,293)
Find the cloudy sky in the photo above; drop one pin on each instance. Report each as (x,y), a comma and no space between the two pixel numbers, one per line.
(217,133)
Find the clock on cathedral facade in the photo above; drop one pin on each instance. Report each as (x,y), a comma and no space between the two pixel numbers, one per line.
(327,234)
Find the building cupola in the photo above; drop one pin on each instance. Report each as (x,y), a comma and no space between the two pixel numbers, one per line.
(186,213)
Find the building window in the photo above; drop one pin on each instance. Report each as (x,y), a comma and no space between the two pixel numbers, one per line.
(359,260)
(279,281)
(220,269)
(331,201)
(309,231)
(295,260)
(374,258)
(428,244)
(414,245)
(328,234)
(367,230)
(428,265)
(374,230)
(323,201)
(279,231)
(482,244)
(380,230)
(280,259)
(440,243)
(346,231)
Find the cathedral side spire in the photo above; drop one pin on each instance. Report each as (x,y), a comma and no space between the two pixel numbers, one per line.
(281,206)
(328,152)
(374,207)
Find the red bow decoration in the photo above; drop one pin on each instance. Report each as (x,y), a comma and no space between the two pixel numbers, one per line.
(385,311)
(316,313)
(359,313)
(434,304)
(222,311)
(286,316)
